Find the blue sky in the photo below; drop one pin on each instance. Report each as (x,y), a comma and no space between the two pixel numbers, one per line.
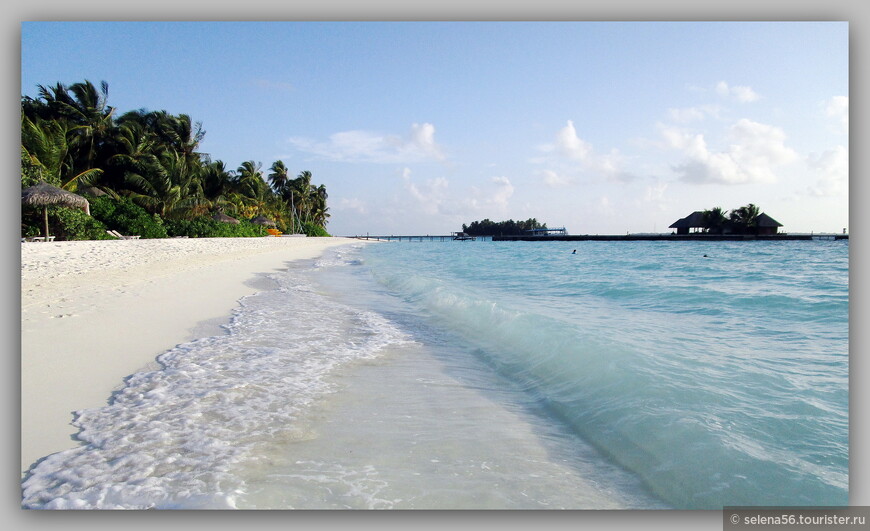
(418,127)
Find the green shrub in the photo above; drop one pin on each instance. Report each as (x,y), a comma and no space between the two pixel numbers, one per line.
(32,173)
(192,228)
(63,223)
(29,231)
(285,227)
(205,227)
(127,217)
(312,230)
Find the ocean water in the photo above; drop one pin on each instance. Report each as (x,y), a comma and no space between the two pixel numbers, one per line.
(493,375)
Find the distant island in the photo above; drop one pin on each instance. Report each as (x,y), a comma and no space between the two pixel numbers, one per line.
(510,227)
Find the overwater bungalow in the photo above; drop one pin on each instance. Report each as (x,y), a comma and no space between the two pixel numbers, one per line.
(766,225)
(695,223)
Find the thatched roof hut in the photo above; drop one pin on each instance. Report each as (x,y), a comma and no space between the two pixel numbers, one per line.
(766,224)
(263,220)
(695,220)
(46,195)
(220,216)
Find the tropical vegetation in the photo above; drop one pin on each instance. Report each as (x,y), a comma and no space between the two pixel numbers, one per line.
(510,227)
(743,220)
(143,173)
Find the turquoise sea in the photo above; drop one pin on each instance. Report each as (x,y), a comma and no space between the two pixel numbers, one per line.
(494,375)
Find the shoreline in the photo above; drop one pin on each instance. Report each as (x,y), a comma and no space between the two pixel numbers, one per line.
(95,312)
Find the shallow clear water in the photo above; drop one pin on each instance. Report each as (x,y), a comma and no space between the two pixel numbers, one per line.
(494,375)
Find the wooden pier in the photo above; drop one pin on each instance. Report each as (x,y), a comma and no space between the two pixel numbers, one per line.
(420,238)
(609,237)
(670,237)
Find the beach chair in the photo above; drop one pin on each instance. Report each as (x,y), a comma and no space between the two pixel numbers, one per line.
(131,237)
(118,235)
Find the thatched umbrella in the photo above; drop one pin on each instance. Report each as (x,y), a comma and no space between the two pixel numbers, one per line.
(44,195)
(220,216)
(263,220)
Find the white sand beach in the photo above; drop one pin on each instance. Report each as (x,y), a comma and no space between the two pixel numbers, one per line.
(94,312)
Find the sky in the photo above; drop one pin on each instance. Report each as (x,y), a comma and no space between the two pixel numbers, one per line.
(419,127)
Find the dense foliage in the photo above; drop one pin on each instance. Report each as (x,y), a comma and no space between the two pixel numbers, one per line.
(501,228)
(205,227)
(743,220)
(126,217)
(66,224)
(143,174)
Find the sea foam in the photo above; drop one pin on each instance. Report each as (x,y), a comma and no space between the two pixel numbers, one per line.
(177,436)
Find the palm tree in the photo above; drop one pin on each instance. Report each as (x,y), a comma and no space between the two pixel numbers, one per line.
(217,183)
(250,178)
(90,116)
(134,151)
(249,188)
(181,135)
(745,218)
(714,220)
(301,193)
(176,133)
(279,177)
(320,212)
(45,146)
(158,189)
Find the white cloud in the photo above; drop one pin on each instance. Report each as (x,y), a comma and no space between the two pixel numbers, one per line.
(656,192)
(579,155)
(572,146)
(754,151)
(838,109)
(832,170)
(740,93)
(693,114)
(759,144)
(423,141)
(368,146)
(504,190)
(352,204)
(555,180)
(429,195)
(434,202)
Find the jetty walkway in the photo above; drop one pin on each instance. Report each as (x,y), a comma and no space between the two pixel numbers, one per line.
(670,237)
(420,238)
(612,237)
